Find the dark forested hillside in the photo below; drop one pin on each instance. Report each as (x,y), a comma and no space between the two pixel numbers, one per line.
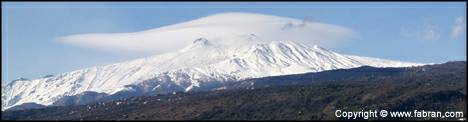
(311,96)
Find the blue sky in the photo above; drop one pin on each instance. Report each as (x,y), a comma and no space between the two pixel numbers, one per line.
(420,32)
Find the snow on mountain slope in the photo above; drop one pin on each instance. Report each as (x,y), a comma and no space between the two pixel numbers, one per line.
(199,66)
(207,63)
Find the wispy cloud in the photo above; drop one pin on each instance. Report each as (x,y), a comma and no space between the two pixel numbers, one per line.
(430,32)
(458,28)
(426,31)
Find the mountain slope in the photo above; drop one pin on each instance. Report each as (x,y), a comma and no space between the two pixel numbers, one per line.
(198,67)
(310,96)
(207,63)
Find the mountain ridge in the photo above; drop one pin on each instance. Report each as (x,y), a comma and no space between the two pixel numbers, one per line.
(309,96)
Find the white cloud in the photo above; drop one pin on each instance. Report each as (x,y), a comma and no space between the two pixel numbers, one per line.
(458,28)
(215,28)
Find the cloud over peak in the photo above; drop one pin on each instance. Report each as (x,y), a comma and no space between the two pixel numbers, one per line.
(215,27)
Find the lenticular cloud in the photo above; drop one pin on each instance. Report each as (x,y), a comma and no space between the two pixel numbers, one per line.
(216,27)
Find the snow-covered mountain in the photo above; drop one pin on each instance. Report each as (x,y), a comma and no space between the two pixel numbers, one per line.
(205,64)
